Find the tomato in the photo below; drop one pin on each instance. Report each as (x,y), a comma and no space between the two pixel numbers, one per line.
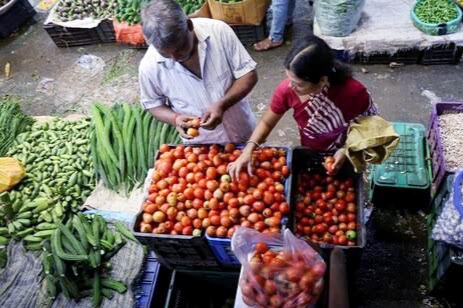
(284,208)
(321,204)
(259,226)
(198,193)
(319,229)
(318,219)
(342,218)
(211,173)
(258,206)
(186,221)
(272,221)
(351,226)
(351,207)
(224,186)
(215,220)
(150,208)
(268,198)
(328,238)
(351,217)
(253,217)
(333,229)
(164,148)
(147,218)
(257,194)
(342,226)
(328,218)
(342,240)
(350,196)
(226,221)
(211,231)
(221,231)
(340,205)
(249,200)
(285,171)
(222,169)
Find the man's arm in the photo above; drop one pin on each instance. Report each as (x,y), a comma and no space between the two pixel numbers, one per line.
(239,89)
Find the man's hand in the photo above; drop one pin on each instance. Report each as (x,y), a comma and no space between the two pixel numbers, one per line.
(212,117)
(183,123)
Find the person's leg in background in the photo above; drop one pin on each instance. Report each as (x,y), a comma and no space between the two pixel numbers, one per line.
(282,15)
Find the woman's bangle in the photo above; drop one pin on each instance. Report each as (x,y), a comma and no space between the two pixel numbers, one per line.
(253,142)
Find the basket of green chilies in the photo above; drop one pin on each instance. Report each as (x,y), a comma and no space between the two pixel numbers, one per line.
(436,17)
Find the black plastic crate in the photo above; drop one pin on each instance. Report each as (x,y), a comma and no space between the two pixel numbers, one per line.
(442,54)
(405,56)
(178,251)
(250,34)
(305,159)
(19,13)
(192,289)
(70,37)
(152,286)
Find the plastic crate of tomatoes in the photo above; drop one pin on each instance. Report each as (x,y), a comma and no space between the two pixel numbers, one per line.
(326,209)
(257,202)
(174,199)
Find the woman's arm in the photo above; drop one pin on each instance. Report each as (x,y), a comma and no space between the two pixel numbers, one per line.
(261,132)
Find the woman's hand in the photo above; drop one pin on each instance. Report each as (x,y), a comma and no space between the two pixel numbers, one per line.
(339,158)
(243,161)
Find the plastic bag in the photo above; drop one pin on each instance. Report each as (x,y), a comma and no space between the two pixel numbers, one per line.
(449,224)
(11,173)
(126,34)
(338,17)
(288,274)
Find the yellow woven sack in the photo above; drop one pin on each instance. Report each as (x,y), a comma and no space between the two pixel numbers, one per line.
(11,173)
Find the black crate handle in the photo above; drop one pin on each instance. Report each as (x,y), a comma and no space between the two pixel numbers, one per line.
(442,29)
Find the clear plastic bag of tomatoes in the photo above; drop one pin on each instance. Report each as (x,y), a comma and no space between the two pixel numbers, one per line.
(279,270)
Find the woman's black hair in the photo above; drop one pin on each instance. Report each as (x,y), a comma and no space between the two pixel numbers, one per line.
(311,59)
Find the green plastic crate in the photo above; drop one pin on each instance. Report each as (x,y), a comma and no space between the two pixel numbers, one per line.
(406,171)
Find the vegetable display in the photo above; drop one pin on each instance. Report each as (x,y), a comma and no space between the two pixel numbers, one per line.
(12,123)
(76,258)
(191,191)
(68,10)
(326,210)
(190,6)
(282,278)
(59,178)
(452,143)
(436,11)
(124,141)
(129,10)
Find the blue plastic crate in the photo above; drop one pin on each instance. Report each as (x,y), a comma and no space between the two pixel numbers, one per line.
(150,289)
(221,247)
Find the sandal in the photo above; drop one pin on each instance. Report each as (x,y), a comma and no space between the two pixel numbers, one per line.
(267,44)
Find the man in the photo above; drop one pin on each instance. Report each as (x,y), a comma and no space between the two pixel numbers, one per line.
(196,68)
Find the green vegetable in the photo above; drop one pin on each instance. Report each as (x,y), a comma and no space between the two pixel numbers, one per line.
(131,133)
(12,123)
(351,235)
(436,11)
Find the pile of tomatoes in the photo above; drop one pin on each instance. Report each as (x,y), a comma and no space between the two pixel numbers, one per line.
(282,279)
(191,191)
(326,210)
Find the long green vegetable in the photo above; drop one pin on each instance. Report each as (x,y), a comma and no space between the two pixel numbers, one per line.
(436,11)
(12,123)
(76,259)
(124,141)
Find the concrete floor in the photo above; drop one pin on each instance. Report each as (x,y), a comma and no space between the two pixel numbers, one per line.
(48,81)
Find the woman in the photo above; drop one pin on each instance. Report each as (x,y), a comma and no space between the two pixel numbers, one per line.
(324,97)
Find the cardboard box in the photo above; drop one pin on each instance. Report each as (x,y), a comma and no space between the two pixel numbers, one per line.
(246,12)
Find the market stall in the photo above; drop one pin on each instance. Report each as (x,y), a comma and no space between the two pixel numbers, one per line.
(407,33)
